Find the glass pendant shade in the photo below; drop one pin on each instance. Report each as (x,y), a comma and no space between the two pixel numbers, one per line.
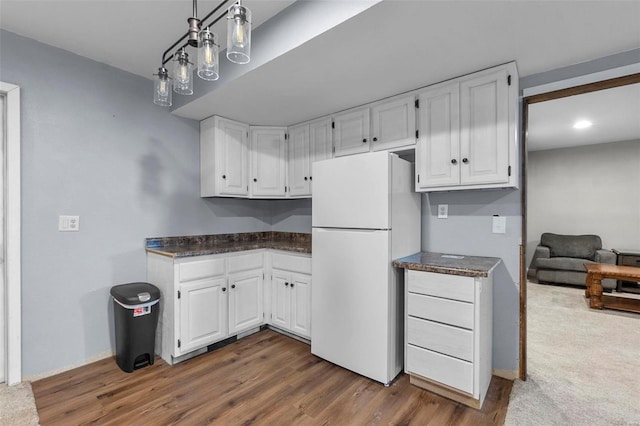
(238,34)
(182,70)
(207,56)
(162,88)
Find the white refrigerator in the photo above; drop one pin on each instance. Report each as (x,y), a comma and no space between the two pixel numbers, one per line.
(365,213)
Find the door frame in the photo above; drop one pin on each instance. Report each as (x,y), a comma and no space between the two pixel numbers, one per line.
(12,260)
(575,86)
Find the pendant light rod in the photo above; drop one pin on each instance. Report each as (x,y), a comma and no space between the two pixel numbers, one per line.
(173,46)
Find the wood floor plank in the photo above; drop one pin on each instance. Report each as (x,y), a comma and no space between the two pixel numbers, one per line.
(264,379)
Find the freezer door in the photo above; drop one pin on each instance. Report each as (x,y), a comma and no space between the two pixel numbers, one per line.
(352,192)
(353,322)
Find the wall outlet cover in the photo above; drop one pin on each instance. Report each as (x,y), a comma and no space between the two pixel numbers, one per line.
(443,211)
(69,223)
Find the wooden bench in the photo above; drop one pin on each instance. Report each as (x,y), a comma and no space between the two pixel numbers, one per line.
(596,272)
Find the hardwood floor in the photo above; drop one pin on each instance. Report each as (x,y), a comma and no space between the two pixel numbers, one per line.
(266,378)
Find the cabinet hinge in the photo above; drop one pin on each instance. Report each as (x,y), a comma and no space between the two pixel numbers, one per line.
(179,294)
(418,178)
(286,136)
(179,343)
(285,189)
(417,133)
(417,103)
(509,170)
(333,149)
(333,124)
(509,80)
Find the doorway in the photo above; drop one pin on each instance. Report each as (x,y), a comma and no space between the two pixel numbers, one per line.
(526,254)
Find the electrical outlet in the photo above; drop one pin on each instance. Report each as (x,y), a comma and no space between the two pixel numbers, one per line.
(443,211)
(499,225)
(69,223)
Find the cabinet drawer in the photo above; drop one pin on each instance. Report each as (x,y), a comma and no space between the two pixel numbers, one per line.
(442,285)
(291,263)
(442,338)
(441,368)
(245,262)
(629,260)
(446,311)
(198,269)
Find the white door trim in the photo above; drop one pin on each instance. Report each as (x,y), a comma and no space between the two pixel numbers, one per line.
(12,234)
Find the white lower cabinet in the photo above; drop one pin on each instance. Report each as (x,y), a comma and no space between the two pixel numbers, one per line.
(291,293)
(205,299)
(448,334)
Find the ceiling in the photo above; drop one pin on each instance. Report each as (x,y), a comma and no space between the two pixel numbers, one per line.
(614,114)
(392,47)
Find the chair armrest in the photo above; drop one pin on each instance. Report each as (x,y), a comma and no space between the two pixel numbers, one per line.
(541,252)
(605,256)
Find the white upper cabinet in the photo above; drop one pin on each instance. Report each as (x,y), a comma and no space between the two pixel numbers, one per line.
(268,162)
(320,142)
(223,158)
(351,132)
(299,161)
(468,132)
(438,148)
(394,123)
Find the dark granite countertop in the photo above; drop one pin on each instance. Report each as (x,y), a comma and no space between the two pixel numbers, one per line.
(202,245)
(452,264)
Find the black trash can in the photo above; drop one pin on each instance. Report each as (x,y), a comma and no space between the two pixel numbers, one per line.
(135,307)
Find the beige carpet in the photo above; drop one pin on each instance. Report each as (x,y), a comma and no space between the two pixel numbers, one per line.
(583,364)
(17,405)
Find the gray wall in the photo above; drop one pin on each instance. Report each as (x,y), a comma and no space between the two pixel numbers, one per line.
(585,190)
(95,145)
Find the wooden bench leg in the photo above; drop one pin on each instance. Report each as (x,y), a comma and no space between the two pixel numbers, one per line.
(587,292)
(595,293)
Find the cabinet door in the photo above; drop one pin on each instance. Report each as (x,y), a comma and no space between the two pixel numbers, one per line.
(484,145)
(299,163)
(203,313)
(394,123)
(245,301)
(281,299)
(321,143)
(437,152)
(268,164)
(301,304)
(351,132)
(231,156)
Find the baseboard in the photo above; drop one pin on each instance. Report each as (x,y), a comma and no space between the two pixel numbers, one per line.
(288,334)
(95,358)
(506,374)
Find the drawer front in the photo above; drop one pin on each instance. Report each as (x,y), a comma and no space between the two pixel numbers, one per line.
(629,260)
(440,368)
(197,269)
(245,262)
(300,264)
(446,311)
(441,285)
(453,341)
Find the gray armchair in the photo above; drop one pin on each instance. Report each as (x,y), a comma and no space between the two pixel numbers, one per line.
(561,258)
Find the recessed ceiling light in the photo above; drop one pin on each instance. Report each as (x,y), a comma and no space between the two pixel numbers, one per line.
(582,124)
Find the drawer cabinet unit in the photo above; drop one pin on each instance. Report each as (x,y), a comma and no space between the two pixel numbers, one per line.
(468,132)
(205,299)
(448,334)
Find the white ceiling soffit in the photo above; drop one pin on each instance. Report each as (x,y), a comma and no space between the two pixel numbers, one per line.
(614,114)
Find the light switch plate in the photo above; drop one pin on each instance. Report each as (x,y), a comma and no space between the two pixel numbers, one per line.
(69,223)
(443,211)
(499,225)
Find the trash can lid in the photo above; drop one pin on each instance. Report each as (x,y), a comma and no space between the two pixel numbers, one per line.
(135,293)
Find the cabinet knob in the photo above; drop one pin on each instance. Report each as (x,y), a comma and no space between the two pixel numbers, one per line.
(286,284)
(375,139)
(224,176)
(305,178)
(233,286)
(454,161)
(364,140)
(465,160)
(224,289)
(310,177)
(255,179)
(291,285)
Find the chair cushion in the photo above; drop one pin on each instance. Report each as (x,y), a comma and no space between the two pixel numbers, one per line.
(562,263)
(580,246)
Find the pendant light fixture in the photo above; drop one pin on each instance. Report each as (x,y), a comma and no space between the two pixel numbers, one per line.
(208,65)
(238,34)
